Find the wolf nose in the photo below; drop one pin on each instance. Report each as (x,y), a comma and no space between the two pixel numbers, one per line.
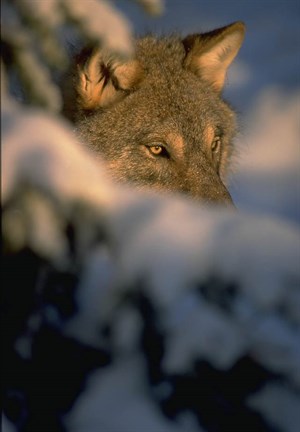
(214,195)
(223,199)
(228,202)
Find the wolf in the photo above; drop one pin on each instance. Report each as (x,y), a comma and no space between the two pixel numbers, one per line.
(159,120)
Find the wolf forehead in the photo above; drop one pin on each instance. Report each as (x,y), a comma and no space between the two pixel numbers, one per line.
(160,52)
(171,71)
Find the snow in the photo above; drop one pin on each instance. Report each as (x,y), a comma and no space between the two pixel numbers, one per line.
(267,177)
(120,388)
(222,284)
(181,256)
(282,406)
(47,159)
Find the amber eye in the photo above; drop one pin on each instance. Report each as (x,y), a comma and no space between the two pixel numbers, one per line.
(158,150)
(216,145)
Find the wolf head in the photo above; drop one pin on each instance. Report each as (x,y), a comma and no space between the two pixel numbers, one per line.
(158,120)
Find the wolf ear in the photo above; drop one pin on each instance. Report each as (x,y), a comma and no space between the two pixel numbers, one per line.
(103,79)
(208,55)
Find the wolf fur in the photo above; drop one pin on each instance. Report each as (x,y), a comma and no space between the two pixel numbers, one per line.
(159,120)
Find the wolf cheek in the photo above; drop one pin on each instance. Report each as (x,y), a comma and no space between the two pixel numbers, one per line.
(159,120)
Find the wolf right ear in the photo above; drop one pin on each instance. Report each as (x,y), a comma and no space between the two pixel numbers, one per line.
(99,79)
(209,55)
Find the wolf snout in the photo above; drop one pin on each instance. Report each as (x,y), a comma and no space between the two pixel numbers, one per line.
(222,197)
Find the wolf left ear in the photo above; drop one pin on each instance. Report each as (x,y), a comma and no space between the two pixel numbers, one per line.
(101,78)
(98,79)
(209,55)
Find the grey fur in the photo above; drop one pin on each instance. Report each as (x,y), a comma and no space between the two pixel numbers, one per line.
(169,95)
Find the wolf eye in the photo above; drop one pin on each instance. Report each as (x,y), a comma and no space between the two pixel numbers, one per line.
(158,150)
(216,145)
